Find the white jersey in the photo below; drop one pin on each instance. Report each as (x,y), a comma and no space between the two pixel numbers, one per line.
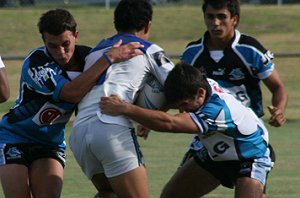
(124,79)
(1,63)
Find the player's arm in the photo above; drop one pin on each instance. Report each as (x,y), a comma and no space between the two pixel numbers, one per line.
(279,99)
(76,89)
(153,119)
(4,86)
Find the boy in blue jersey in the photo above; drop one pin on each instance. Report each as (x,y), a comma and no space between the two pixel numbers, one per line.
(4,85)
(32,142)
(234,151)
(238,62)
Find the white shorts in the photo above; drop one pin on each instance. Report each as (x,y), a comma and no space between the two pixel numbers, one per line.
(105,148)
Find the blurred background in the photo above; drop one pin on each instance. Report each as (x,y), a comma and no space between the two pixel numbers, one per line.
(275,23)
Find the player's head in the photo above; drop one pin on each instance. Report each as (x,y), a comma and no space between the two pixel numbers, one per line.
(56,22)
(132,16)
(233,6)
(186,88)
(58,30)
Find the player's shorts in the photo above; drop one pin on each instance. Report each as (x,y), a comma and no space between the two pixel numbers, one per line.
(191,153)
(26,154)
(227,172)
(105,148)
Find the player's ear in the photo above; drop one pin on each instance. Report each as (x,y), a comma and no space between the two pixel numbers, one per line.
(147,28)
(201,93)
(235,20)
(76,35)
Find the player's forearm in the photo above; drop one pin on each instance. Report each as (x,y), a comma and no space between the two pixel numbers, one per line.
(4,86)
(280,98)
(76,89)
(153,119)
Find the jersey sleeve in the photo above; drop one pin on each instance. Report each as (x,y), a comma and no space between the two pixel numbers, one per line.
(192,51)
(161,63)
(258,59)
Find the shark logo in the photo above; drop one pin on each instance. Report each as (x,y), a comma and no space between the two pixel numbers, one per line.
(236,74)
(13,153)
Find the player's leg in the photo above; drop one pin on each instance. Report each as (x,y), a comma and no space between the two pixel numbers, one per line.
(132,184)
(46,172)
(248,188)
(46,178)
(252,176)
(122,184)
(13,172)
(103,187)
(190,180)
(14,180)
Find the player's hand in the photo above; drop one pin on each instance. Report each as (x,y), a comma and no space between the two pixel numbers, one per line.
(142,131)
(277,116)
(112,105)
(119,52)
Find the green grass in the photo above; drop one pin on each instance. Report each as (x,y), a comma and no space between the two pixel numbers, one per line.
(173,27)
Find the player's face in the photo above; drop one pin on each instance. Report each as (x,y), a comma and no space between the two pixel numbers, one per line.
(61,47)
(192,104)
(220,24)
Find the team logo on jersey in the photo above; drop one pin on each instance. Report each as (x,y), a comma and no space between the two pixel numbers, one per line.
(47,116)
(219,72)
(13,153)
(41,74)
(50,114)
(267,58)
(236,74)
(160,58)
(221,147)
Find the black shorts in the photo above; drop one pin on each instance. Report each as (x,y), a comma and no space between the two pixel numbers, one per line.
(27,153)
(227,172)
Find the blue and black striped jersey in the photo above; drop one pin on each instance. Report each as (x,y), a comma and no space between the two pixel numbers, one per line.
(39,116)
(245,62)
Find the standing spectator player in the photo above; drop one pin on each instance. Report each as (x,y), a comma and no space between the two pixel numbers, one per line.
(32,142)
(234,152)
(236,61)
(106,147)
(4,85)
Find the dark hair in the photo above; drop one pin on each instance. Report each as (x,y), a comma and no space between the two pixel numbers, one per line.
(183,82)
(56,22)
(132,15)
(233,6)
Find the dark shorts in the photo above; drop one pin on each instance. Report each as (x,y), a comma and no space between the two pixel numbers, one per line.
(227,172)
(26,154)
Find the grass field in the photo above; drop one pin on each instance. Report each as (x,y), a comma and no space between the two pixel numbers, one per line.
(276,27)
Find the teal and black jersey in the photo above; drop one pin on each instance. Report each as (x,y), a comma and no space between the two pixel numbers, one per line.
(39,116)
(240,67)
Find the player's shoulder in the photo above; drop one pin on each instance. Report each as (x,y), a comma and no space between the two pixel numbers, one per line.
(83,49)
(194,46)
(250,41)
(37,57)
(152,48)
(81,52)
(192,50)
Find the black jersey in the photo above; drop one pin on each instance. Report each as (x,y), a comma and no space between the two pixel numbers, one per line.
(245,62)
